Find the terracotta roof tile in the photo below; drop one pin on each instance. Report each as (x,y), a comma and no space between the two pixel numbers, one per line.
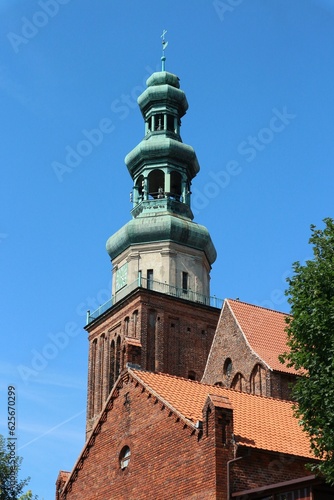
(259,422)
(265,332)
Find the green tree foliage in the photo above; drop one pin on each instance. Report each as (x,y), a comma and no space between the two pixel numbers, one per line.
(311,342)
(11,488)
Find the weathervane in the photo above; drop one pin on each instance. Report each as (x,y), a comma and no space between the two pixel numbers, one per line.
(164,46)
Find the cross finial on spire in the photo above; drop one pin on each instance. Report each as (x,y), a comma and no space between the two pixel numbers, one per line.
(164,46)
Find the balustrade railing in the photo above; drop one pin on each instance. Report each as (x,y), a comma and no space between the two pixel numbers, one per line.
(156,286)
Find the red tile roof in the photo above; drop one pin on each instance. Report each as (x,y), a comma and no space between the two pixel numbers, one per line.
(264,330)
(259,422)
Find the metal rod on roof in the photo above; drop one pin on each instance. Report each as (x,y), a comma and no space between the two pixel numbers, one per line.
(164,46)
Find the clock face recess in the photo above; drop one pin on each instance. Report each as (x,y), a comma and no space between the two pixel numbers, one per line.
(121,277)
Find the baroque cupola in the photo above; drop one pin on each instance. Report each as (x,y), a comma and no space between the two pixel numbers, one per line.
(161,248)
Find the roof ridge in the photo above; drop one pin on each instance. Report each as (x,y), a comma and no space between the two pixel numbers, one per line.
(198,382)
(258,307)
(167,375)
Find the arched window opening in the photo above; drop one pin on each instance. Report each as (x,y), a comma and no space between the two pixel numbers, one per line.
(101,368)
(257,380)
(124,457)
(93,377)
(159,122)
(175,185)
(239,383)
(112,366)
(227,367)
(191,375)
(118,356)
(135,322)
(156,184)
(126,325)
(123,358)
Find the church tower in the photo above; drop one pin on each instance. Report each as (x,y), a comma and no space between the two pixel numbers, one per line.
(161,243)
(160,315)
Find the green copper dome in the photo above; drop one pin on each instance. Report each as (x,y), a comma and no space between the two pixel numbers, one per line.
(162,228)
(164,88)
(162,168)
(157,150)
(162,77)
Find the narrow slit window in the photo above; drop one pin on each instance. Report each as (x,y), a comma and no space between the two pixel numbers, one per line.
(149,279)
(185,279)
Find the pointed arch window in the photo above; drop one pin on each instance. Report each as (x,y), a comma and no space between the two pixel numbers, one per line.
(135,322)
(93,377)
(227,367)
(257,380)
(101,368)
(239,383)
(118,356)
(126,325)
(112,365)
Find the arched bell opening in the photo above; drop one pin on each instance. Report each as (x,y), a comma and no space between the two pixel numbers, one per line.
(156,184)
(176,185)
(139,189)
(162,122)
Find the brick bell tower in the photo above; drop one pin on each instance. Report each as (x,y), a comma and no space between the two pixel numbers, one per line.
(160,315)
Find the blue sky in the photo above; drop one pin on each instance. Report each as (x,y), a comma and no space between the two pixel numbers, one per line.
(258,75)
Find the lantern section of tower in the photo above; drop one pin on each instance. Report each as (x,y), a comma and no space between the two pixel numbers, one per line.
(162,248)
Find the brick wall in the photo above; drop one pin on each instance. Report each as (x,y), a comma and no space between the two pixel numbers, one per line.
(281,385)
(260,468)
(247,371)
(168,458)
(156,331)
(230,343)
